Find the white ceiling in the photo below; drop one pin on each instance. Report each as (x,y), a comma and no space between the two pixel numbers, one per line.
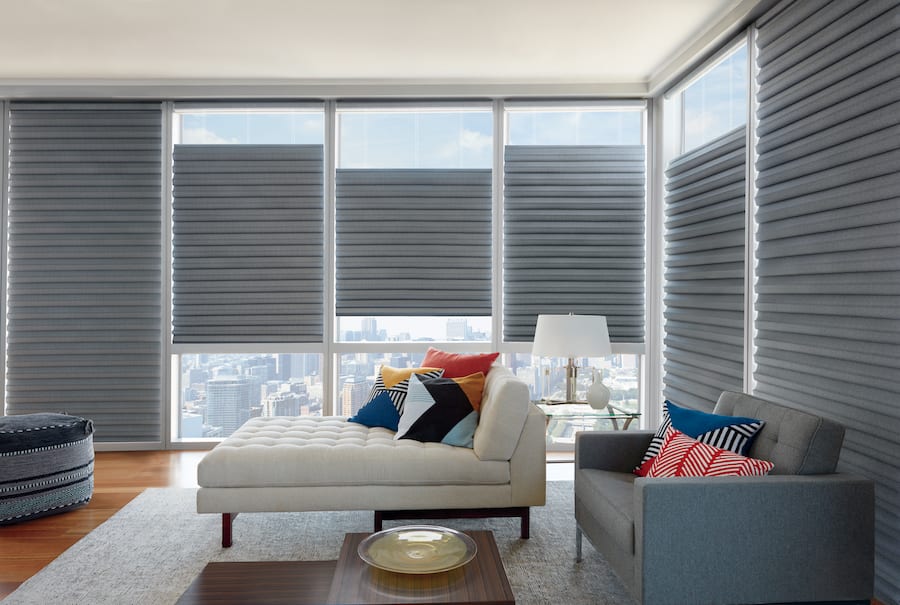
(613,42)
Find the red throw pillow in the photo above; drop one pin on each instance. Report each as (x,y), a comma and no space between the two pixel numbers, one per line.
(681,456)
(457,365)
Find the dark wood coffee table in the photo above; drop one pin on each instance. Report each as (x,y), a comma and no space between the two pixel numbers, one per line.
(350,581)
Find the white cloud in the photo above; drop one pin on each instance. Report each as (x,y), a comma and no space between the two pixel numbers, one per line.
(202,136)
(476,141)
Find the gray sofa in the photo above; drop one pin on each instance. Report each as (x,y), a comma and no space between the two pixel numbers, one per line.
(804,533)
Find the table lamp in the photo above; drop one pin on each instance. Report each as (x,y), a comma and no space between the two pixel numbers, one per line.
(571,336)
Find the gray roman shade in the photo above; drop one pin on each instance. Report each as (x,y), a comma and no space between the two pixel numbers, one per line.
(413,242)
(248,243)
(704,272)
(829,235)
(85,265)
(573,237)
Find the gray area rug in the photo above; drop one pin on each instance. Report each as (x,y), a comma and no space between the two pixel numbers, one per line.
(152,549)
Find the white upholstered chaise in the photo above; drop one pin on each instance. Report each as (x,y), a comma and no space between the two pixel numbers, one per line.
(309,463)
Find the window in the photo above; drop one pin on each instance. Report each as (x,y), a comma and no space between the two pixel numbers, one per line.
(261,327)
(573,218)
(705,237)
(716,102)
(248,266)
(413,223)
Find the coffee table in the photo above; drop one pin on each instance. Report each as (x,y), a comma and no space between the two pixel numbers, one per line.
(350,581)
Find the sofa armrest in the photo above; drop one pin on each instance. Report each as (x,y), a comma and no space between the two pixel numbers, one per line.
(528,464)
(619,451)
(765,539)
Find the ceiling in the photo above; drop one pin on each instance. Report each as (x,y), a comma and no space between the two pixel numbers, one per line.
(624,43)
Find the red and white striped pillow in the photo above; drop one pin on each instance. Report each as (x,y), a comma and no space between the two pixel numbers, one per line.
(681,456)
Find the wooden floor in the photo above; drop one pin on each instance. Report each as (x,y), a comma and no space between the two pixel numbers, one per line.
(118,477)
(27,547)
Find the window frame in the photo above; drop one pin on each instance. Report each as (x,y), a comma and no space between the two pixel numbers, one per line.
(332,348)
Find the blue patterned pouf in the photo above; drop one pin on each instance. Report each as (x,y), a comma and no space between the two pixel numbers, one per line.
(46,465)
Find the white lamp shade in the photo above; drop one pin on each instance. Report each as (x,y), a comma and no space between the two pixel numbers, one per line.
(571,336)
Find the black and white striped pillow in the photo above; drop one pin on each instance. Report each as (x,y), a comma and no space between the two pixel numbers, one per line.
(735,437)
(398,390)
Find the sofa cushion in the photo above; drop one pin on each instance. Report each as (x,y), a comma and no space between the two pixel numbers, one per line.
(729,432)
(797,443)
(379,411)
(434,407)
(681,456)
(395,382)
(609,496)
(459,364)
(504,408)
(289,451)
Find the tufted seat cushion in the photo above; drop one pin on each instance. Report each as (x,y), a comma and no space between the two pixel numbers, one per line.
(329,451)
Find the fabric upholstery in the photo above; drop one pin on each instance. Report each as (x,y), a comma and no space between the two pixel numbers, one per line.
(437,407)
(730,540)
(681,456)
(796,442)
(459,364)
(503,411)
(379,411)
(395,382)
(330,451)
(728,432)
(46,465)
(314,463)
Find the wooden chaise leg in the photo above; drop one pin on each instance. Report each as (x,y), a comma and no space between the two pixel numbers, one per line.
(525,531)
(379,521)
(227,522)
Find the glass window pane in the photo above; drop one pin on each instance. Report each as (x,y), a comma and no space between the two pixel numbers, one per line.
(251,126)
(411,329)
(717,102)
(356,376)
(415,139)
(574,127)
(219,392)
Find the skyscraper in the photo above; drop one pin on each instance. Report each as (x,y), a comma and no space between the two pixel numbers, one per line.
(228,402)
(354,395)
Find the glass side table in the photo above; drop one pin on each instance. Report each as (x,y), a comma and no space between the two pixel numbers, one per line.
(566,419)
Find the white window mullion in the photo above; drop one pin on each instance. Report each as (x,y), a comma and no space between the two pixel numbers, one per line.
(171,406)
(499,112)
(330,363)
(750,220)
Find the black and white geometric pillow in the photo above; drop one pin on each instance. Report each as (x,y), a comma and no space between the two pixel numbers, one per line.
(395,382)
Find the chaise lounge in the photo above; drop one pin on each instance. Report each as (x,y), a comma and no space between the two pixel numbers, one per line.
(306,463)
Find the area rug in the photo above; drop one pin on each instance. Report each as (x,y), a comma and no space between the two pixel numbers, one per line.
(151,550)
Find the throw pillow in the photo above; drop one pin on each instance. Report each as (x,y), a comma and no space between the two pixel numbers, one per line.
(459,364)
(681,456)
(733,433)
(442,410)
(395,382)
(380,411)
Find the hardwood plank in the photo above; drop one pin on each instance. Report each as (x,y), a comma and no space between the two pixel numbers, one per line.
(26,548)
